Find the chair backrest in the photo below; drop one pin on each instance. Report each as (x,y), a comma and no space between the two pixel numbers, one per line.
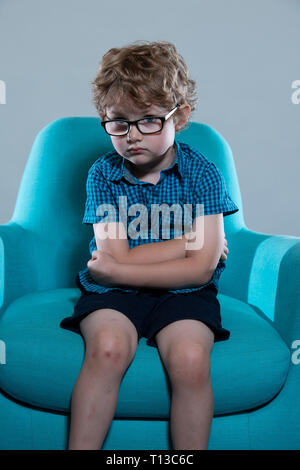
(51,198)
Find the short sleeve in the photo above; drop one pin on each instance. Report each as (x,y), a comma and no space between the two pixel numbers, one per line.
(213,193)
(100,203)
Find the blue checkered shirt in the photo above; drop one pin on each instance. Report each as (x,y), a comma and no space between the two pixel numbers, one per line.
(192,179)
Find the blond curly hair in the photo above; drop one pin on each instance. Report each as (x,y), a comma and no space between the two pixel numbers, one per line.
(148,73)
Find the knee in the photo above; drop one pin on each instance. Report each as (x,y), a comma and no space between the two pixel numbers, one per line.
(109,350)
(189,364)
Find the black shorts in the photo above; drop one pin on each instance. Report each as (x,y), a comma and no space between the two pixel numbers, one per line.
(152,309)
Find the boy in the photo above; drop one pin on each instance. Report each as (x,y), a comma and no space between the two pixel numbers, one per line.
(137,283)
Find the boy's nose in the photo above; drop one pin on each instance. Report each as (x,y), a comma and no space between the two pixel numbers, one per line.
(133,132)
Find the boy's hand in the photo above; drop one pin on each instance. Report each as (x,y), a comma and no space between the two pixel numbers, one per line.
(225,251)
(101,268)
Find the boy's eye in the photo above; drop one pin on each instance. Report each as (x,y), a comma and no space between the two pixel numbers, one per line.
(149,119)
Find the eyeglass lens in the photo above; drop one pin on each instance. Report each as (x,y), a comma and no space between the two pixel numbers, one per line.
(146,126)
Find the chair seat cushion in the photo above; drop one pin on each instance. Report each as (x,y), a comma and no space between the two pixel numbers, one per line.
(44,360)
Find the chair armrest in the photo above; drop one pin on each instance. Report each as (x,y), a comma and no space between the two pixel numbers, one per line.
(18,269)
(264,271)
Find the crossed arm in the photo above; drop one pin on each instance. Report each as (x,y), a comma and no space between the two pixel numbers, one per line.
(169,264)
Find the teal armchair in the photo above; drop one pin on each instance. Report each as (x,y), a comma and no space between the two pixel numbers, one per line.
(255,380)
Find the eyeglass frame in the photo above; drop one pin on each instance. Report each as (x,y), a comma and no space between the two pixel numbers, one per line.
(129,123)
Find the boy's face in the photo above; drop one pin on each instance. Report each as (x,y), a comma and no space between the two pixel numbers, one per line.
(154,147)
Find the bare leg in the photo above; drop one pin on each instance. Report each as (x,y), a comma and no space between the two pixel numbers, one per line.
(185,347)
(191,416)
(111,341)
(94,401)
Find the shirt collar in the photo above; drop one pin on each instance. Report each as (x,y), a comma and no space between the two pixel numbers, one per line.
(119,170)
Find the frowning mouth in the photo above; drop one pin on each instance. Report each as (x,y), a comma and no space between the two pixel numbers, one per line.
(136,150)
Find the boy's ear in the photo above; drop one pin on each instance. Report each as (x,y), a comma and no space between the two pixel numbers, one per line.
(184,113)
(101,116)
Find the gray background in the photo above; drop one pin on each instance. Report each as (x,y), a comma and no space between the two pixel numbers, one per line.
(244,56)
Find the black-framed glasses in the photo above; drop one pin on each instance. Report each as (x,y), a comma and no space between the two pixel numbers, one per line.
(146,125)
